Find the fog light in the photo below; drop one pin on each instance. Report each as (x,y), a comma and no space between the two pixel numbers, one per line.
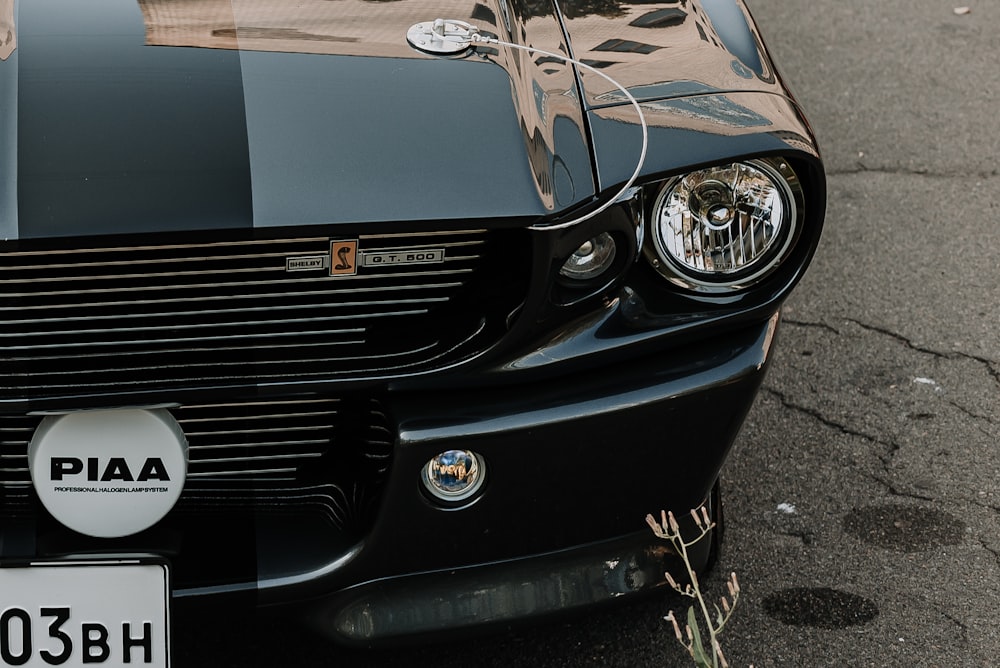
(454,475)
(591,259)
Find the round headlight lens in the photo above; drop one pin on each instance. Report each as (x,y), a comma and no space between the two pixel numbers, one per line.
(724,226)
(591,259)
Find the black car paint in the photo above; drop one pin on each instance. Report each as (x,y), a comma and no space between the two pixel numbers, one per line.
(614,388)
(114,136)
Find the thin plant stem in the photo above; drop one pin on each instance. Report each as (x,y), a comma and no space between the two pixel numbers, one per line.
(669,529)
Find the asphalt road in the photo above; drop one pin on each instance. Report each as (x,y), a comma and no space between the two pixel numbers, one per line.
(862,501)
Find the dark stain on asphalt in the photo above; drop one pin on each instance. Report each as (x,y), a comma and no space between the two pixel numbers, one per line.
(820,607)
(905,528)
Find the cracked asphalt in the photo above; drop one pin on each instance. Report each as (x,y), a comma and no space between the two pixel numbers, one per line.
(862,499)
(878,422)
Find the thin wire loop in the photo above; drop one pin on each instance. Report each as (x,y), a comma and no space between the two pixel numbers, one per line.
(482,39)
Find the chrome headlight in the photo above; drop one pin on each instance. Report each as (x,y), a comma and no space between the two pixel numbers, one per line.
(726,227)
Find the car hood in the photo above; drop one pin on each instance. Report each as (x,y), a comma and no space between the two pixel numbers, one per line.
(124,116)
(131,116)
(669,50)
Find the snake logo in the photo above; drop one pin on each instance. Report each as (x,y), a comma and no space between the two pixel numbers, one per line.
(343,261)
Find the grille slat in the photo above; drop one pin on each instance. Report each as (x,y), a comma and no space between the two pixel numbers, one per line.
(90,320)
(214,312)
(167,247)
(205,325)
(241,418)
(262,444)
(153,302)
(263,458)
(97,381)
(185,351)
(15,434)
(270,430)
(242,472)
(257,335)
(228,245)
(217,285)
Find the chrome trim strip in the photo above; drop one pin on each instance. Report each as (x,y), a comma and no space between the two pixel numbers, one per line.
(271,346)
(258,444)
(285,281)
(235,311)
(184,300)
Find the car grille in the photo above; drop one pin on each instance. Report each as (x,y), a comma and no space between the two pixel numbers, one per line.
(136,317)
(302,454)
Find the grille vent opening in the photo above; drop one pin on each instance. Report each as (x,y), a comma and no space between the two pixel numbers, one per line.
(229,313)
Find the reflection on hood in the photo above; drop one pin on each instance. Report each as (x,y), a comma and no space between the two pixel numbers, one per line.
(8,34)
(307,26)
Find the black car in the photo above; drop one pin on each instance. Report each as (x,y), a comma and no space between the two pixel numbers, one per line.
(395,319)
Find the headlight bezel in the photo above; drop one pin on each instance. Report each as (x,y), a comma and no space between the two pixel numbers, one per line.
(787,188)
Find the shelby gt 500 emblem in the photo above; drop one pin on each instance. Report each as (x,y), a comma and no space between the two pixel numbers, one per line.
(345,258)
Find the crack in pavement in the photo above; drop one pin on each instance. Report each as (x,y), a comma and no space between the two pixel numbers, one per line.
(995,553)
(895,491)
(974,415)
(963,627)
(994,371)
(814,325)
(892,447)
(982,504)
(862,168)
(842,428)
(885,459)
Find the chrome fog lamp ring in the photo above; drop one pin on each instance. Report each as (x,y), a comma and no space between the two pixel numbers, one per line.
(454,475)
(725,227)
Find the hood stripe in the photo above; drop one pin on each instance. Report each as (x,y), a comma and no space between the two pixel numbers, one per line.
(116,136)
(8,139)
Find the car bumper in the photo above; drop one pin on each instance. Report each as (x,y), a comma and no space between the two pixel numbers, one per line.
(574,465)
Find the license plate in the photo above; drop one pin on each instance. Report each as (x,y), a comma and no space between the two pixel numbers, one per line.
(109,613)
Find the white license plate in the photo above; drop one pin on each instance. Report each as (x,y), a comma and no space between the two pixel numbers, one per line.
(107,613)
